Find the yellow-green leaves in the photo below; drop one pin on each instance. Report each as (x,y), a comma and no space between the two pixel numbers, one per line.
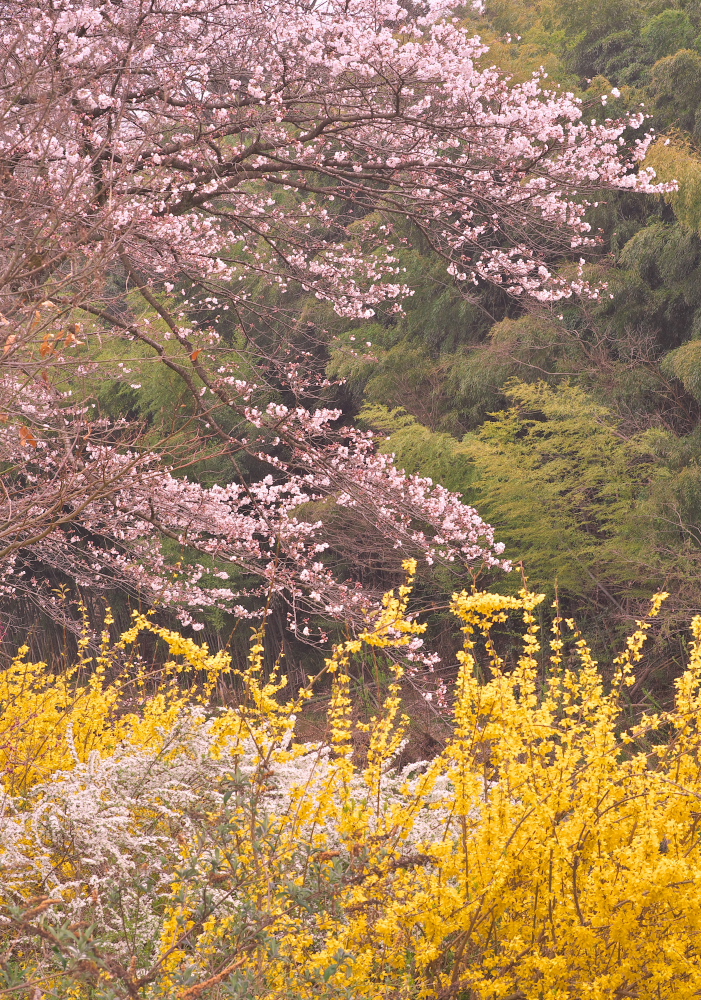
(675,160)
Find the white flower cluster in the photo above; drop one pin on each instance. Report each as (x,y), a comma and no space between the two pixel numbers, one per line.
(108,839)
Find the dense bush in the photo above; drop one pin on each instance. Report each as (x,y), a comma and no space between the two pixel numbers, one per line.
(154,845)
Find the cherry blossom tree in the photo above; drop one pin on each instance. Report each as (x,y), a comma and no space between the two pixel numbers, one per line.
(166,152)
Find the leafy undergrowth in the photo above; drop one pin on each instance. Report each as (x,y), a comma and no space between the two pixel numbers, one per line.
(154,846)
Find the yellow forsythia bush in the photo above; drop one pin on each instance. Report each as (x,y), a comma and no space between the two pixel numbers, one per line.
(152,846)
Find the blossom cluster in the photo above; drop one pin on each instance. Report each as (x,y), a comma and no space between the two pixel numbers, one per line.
(171,154)
(103,522)
(167,134)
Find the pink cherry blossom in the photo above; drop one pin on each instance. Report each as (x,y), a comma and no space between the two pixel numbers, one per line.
(153,147)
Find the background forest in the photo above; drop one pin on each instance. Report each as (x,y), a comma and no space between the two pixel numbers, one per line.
(573,429)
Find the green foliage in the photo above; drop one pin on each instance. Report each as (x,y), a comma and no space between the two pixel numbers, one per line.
(420,450)
(665,255)
(685,364)
(406,373)
(605,38)
(668,32)
(675,498)
(598,18)
(678,161)
(676,90)
(528,346)
(563,487)
(406,361)
(525,37)
(655,292)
